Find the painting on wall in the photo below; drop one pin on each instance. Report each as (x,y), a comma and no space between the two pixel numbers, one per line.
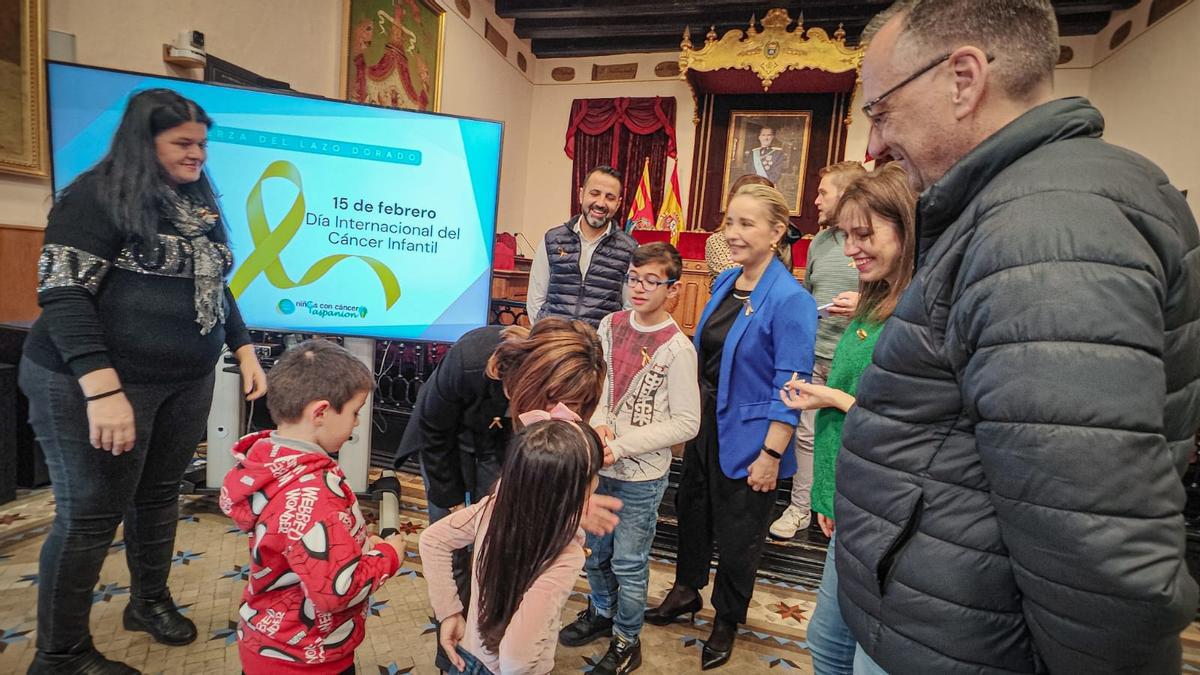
(394,53)
(773,145)
(22,126)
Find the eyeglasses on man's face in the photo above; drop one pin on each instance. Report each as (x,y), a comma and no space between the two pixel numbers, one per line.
(869,108)
(647,284)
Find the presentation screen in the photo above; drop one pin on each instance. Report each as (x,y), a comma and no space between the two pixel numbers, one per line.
(344,219)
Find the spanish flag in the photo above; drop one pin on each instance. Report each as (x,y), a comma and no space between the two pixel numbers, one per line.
(641,211)
(670,217)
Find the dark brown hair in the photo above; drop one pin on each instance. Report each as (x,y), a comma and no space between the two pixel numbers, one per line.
(546,480)
(659,252)
(882,194)
(130,180)
(607,171)
(314,370)
(559,360)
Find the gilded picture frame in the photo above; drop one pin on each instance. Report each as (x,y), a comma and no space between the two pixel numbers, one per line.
(22,88)
(771,144)
(392,53)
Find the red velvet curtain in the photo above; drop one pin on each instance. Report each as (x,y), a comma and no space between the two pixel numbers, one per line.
(621,132)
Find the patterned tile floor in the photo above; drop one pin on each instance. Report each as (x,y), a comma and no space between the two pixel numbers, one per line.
(210,570)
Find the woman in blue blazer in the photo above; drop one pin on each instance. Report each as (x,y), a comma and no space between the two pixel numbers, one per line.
(755,335)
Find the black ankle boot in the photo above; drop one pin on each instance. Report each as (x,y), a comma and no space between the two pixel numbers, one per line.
(161,619)
(83,659)
(679,601)
(587,626)
(719,645)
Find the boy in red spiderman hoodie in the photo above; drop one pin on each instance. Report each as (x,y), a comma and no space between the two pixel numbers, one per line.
(312,563)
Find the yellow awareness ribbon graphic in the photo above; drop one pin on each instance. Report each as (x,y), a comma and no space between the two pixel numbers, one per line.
(268,243)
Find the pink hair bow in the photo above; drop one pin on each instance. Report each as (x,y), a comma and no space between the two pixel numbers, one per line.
(559,412)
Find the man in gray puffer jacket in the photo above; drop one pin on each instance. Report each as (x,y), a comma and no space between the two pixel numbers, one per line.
(1009,496)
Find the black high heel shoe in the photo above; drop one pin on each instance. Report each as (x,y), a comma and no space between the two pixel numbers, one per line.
(719,645)
(679,601)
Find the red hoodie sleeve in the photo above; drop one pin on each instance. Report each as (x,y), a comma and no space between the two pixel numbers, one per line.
(334,571)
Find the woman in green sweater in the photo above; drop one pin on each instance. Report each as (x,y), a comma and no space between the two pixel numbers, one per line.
(875,216)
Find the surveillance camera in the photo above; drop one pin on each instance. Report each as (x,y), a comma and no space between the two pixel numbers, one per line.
(189,45)
(192,39)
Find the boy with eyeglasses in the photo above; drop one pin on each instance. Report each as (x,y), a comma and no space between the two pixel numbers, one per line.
(650,402)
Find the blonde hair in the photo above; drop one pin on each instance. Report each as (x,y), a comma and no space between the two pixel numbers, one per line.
(777,212)
(883,193)
(742,181)
(749,179)
(558,360)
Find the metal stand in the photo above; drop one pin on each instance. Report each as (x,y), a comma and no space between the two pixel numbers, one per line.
(225,424)
(355,456)
(226,420)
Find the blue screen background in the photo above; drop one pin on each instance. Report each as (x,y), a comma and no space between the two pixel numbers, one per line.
(447,167)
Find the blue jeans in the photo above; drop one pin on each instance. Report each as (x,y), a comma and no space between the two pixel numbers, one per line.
(618,568)
(829,639)
(94,491)
(473,665)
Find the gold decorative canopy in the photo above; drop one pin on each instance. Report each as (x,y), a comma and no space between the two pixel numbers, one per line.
(770,54)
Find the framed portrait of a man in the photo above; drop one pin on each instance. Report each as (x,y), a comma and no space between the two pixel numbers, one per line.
(773,145)
(394,53)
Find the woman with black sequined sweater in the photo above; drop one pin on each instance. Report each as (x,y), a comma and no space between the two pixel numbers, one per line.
(119,369)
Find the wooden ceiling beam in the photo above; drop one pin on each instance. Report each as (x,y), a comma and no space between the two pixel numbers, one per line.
(674,24)
(636,32)
(674,31)
(594,9)
(1067,7)
(1073,25)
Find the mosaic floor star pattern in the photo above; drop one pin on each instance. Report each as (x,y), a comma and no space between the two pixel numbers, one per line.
(210,567)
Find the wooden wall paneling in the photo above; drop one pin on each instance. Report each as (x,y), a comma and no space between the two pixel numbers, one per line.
(693,295)
(20,247)
(510,285)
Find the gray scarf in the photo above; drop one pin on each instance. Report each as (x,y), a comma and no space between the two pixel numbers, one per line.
(210,260)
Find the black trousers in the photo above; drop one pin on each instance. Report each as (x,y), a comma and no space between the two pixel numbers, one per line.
(95,491)
(713,508)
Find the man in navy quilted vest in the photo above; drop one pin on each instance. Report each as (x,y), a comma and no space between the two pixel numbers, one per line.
(579,270)
(1008,495)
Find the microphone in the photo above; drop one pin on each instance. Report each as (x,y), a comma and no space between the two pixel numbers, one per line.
(521,236)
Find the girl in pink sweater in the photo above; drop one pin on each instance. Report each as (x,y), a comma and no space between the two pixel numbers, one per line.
(528,550)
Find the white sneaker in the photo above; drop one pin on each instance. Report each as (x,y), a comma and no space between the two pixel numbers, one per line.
(791,521)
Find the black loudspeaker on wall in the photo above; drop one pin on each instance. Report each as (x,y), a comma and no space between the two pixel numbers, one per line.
(8,433)
(15,436)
